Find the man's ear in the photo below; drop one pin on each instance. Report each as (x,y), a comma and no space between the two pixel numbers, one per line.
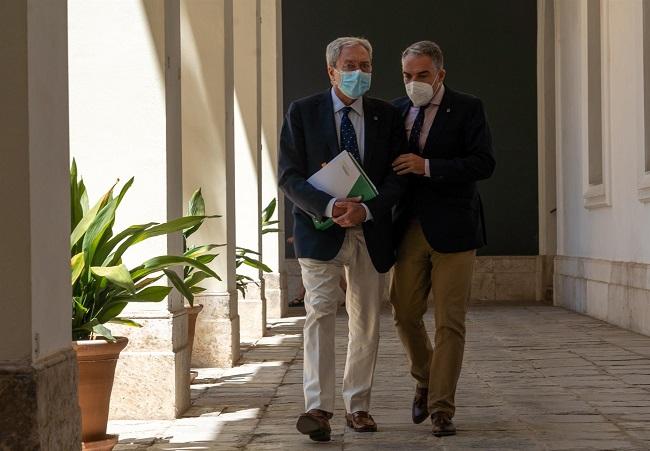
(443,74)
(331,72)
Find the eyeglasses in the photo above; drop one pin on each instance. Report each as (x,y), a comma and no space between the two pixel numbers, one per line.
(365,67)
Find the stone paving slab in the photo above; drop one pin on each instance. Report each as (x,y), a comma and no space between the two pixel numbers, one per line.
(535,377)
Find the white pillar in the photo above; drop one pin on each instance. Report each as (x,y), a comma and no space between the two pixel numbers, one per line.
(208,163)
(125,121)
(246,21)
(546,146)
(273,244)
(38,369)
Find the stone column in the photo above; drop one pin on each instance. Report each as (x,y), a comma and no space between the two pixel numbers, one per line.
(125,121)
(38,369)
(546,147)
(246,21)
(273,244)
(208,163)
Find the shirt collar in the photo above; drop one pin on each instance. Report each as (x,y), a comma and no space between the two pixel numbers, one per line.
(357,105)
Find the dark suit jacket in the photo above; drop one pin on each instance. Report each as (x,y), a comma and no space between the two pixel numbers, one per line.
(308,140)
(459,149)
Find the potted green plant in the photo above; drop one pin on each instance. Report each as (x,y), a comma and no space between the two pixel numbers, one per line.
(250,257)
(191,275)
(102,286)
(194,276)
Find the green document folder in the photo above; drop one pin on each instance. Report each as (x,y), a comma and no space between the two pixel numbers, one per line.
(342,177)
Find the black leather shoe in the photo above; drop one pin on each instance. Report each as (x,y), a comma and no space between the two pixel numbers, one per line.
(442,424)
(315,423)
(420,411)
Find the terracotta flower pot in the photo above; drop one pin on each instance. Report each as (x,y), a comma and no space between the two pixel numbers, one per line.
(96,360)
(192,314)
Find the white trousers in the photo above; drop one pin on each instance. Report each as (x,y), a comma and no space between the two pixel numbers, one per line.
(363,303)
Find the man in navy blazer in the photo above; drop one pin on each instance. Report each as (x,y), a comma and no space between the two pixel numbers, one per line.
(439,225)
(315,130)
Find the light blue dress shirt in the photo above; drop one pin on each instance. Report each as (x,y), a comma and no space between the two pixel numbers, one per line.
(356,117)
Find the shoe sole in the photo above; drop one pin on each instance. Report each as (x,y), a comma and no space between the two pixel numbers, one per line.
(419,420)
(362,429)
(311,427)
(444,434)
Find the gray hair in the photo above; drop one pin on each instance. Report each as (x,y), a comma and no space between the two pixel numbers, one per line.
(427,48)
(334,48)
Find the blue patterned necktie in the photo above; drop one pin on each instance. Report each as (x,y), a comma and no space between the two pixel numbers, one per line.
(348,135)
(416,129)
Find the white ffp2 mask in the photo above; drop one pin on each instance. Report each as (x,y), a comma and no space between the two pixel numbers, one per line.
(419,92)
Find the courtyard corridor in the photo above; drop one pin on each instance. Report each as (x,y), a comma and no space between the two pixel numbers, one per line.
(535,377)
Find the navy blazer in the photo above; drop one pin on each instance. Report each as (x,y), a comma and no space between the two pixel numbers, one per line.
(309,139)
(459,149)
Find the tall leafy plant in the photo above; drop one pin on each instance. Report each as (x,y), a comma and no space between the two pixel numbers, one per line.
(102,285)
(251,258)
(192,275)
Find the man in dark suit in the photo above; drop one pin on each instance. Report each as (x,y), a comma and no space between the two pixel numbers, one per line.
(440,225)
(315,130)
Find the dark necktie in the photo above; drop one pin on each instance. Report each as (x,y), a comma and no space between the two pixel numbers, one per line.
(348,135)
(416,129)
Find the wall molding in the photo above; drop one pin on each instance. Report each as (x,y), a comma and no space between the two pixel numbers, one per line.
(596,195)
(613,291)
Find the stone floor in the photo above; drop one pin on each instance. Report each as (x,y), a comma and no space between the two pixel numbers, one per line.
(535,377)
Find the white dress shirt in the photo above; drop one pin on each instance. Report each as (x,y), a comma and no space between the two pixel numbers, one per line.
(356,117)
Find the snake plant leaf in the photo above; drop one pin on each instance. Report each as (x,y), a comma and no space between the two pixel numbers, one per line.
(150,294)
(148,281)
(197,204)
(75,197)
(77,305)
(102,331)
(253,263)
(180,285)
(201,250)
(83,200)
(207,258)
(177,224)
(102,222)
(77,266)
(107,248)
(196,207)
(119,275)
(125,322)
(83,225)
(110,311)
(156,230)
(268,211)
(165,261)
(243,251)
(196,277)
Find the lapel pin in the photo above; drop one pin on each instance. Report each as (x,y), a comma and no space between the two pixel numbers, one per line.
(448,110)
(375,118)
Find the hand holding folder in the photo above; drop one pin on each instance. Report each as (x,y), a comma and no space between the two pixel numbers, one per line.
(342,177)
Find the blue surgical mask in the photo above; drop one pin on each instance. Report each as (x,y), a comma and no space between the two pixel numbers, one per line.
(354,83)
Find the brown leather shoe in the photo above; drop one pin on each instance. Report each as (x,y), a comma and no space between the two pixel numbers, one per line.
(315,423)
(361,422)
(442,424)
(420,409)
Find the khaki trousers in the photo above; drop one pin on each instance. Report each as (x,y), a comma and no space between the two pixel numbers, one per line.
(418,270)
(323,294)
